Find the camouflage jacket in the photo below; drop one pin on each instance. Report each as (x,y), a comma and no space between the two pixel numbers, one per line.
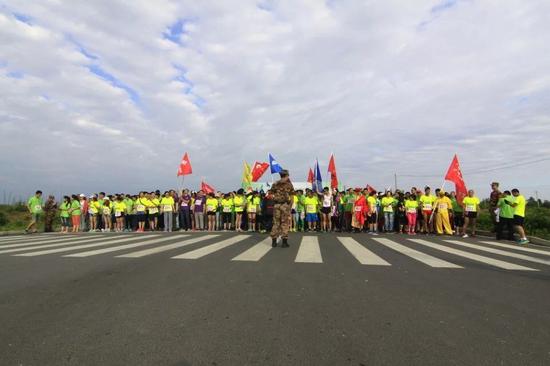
(282,191)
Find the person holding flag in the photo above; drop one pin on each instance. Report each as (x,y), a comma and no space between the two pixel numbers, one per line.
(442,205)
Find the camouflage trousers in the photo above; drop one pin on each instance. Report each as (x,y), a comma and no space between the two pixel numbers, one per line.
(281,220)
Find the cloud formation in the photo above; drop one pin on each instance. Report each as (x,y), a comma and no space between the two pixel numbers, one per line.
(103,95)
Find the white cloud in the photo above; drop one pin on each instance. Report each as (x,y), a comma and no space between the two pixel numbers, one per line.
(388,87)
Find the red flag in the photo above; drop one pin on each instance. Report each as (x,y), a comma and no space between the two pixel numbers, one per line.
(185,166)
(332,171)
(455,175)
(206,188)
(310,176)
(258,170)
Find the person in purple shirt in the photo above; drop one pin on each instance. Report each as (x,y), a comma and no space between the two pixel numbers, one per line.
(199,208)
(185,210)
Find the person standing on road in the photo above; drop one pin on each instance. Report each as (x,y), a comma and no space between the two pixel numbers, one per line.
(458,214)
(282,196)
(471,208)
(442,206)
(64,214)
(50,209)
(506,216)
(518,204)
(426,203)
(411,205)
(168,206)
(493,204)
(75,211)
(35,207)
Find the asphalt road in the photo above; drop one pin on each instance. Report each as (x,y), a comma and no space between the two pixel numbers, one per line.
(106,299)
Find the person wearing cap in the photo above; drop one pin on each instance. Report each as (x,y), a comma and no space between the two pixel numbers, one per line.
(311,203)
(50,209)
(360,209)
(283,191)
(441,206)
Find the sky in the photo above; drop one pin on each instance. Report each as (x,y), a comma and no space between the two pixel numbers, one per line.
(108,95)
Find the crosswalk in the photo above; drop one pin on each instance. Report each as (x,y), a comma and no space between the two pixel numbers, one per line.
(314,250)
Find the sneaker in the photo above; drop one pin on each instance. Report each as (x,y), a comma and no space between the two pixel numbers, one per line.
(523,241)
(374,233)
(465,236)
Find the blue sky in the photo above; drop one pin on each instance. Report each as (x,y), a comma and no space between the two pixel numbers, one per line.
(105,95)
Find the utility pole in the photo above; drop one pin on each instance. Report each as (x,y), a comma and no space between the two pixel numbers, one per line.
(395,181)
(537,198)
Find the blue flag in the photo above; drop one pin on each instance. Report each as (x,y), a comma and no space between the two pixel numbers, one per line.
(317,181)
(275,167)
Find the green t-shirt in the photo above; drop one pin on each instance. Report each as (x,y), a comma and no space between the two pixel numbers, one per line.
(64,210)
(35,204)
(300,204)
(350,200)
(505,210)
(75,205)
(456,206)
(129,205)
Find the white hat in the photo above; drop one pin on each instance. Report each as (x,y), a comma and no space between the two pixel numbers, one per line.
(92,196)
(106,198)
(82,195)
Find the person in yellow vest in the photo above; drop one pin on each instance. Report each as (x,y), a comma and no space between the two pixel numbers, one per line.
(93,210)
(227,211)
(427,203)
(211,209)
(141,211)
(518,203)
(442,205)
(239,201)
(120,211)
(168,206)
(252,207)
(153,204)
(311,203)
(470,204)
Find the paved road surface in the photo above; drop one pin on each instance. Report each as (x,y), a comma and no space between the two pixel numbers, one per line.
(230,299)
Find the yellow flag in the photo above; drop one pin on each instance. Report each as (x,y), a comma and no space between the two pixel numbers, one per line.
(247,176)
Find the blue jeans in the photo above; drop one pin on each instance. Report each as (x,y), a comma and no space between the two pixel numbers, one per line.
(388,221)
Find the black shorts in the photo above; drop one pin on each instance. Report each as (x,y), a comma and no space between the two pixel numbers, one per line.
(471,215)
(211,213)
(141,216)
(325,210)
(372,219)
(459,219)
(519,220)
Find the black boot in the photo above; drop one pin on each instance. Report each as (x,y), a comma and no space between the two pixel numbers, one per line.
(285,243)
(273,242)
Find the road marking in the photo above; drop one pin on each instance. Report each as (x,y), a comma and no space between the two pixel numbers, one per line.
(515,247)
(60,240)
(43,239)
(500,252)
(415,254)
(164,248)
(56,244)
(209,249)
(362,254)
(122,247)
(85,246)
(11,237)
(309,251)
(256,252)
(472,256)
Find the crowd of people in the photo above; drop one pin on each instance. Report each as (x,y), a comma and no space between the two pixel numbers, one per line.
(353,210)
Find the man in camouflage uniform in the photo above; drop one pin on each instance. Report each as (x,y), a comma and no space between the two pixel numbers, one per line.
(50,209)
(282,196)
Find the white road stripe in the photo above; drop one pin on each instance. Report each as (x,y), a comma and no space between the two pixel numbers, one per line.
(362,254)
(164,248)
(415,254)
(500,252)
(67,249)
(256,252)
(12,237)
(125,246)
(309,251)
(56,244)
(516,247)
(60,240)
(209,249)
(44,238)
(472,256)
